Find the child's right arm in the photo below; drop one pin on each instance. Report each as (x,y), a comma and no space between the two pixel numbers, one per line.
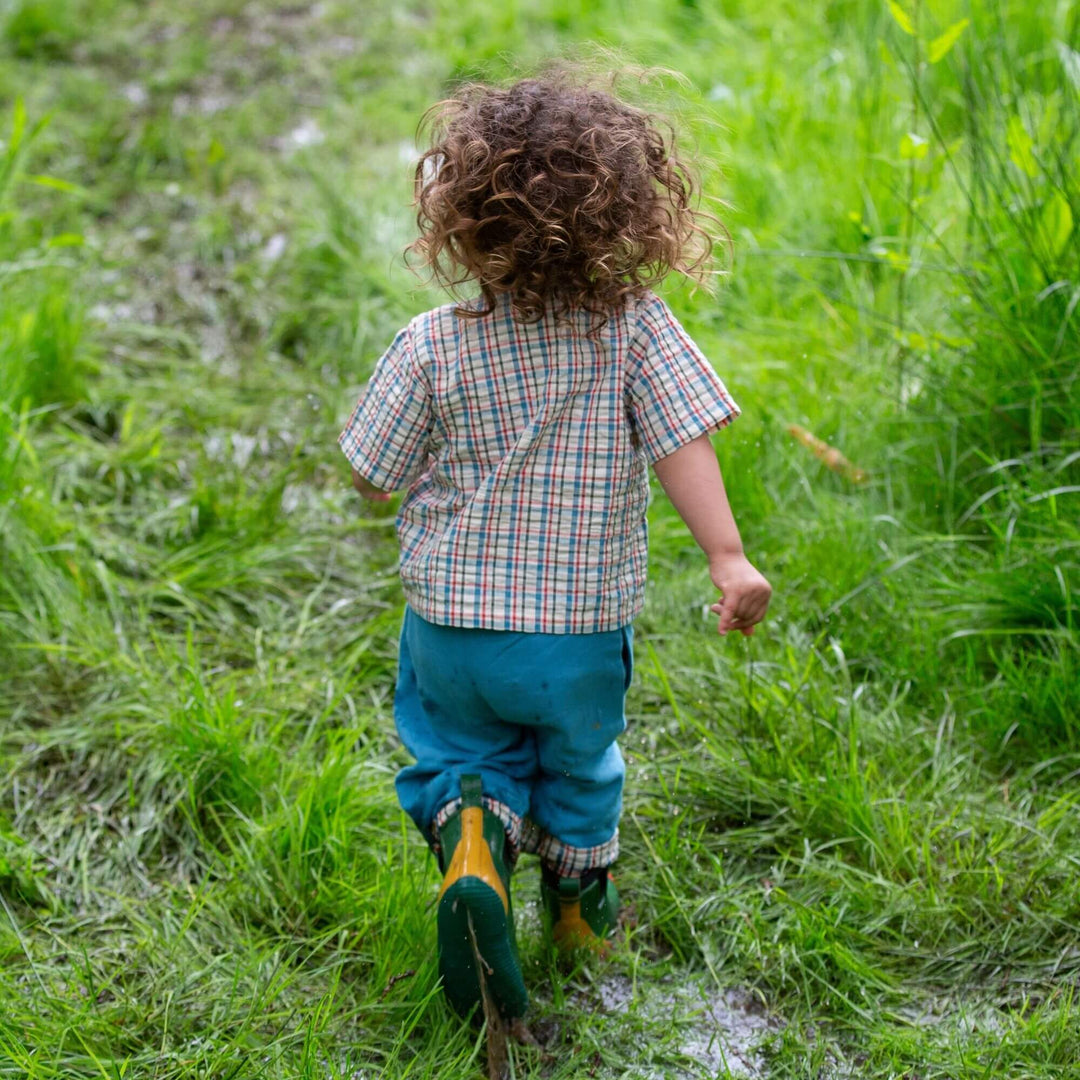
(675,400)
(691,477)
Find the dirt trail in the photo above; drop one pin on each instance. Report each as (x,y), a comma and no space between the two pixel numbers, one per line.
(715,1030)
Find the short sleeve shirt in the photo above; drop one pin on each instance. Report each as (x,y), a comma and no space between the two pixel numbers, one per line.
(523,451)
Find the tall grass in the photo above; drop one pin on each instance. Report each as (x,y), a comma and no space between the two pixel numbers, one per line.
(1001,391)
(41,367)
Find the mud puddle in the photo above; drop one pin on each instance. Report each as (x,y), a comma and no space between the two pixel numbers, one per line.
(689,1030)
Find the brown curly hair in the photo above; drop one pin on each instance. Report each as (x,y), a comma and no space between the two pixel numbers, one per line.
(557,193)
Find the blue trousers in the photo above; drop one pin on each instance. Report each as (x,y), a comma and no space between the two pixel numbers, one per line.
(535,715)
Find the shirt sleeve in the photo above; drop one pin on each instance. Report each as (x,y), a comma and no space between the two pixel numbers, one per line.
(386,438)
(673,394)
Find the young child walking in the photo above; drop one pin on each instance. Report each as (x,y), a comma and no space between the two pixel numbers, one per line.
(520,424)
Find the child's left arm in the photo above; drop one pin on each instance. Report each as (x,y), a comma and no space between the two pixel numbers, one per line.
(367,490)
(387,437)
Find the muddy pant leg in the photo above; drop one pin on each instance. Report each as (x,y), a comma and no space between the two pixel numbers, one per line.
(570,690)
(451,731)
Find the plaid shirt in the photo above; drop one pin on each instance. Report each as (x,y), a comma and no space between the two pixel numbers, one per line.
(525,451)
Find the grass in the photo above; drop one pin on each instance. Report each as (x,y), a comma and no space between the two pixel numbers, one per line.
(865,816)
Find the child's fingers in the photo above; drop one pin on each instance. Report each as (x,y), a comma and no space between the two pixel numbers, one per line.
(726,610)
(751,604)
(729,619)
(739,612)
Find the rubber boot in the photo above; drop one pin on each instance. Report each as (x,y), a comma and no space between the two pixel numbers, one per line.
(580,912)
(475,919)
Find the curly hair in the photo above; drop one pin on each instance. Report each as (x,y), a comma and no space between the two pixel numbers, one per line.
(556,193)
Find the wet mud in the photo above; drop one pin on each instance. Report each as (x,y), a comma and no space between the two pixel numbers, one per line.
(708,1032)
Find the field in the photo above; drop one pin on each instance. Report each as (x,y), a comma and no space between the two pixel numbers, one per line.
(851,842)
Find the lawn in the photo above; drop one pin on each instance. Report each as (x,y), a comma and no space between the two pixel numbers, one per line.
(851,843)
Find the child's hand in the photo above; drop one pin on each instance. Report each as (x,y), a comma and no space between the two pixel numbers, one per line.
(369,492)
(745,591)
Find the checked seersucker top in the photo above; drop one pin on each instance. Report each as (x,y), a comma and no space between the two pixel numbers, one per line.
(524,452)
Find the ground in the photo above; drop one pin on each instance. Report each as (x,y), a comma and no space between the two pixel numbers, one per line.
(851,842)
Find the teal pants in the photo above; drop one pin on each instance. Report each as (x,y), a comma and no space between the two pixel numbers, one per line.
(535,715)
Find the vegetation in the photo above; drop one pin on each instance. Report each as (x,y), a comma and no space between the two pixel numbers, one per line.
(865,816)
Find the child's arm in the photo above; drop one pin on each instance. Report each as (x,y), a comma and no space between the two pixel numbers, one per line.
(691,477)
(386,438)
(366,489)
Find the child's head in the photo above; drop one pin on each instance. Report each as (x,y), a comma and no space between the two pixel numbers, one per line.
(556,193)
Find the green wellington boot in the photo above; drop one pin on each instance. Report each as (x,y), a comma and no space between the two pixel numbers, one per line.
(476,921)
(580,912)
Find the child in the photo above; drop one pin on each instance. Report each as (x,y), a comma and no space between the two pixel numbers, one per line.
(521,424)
